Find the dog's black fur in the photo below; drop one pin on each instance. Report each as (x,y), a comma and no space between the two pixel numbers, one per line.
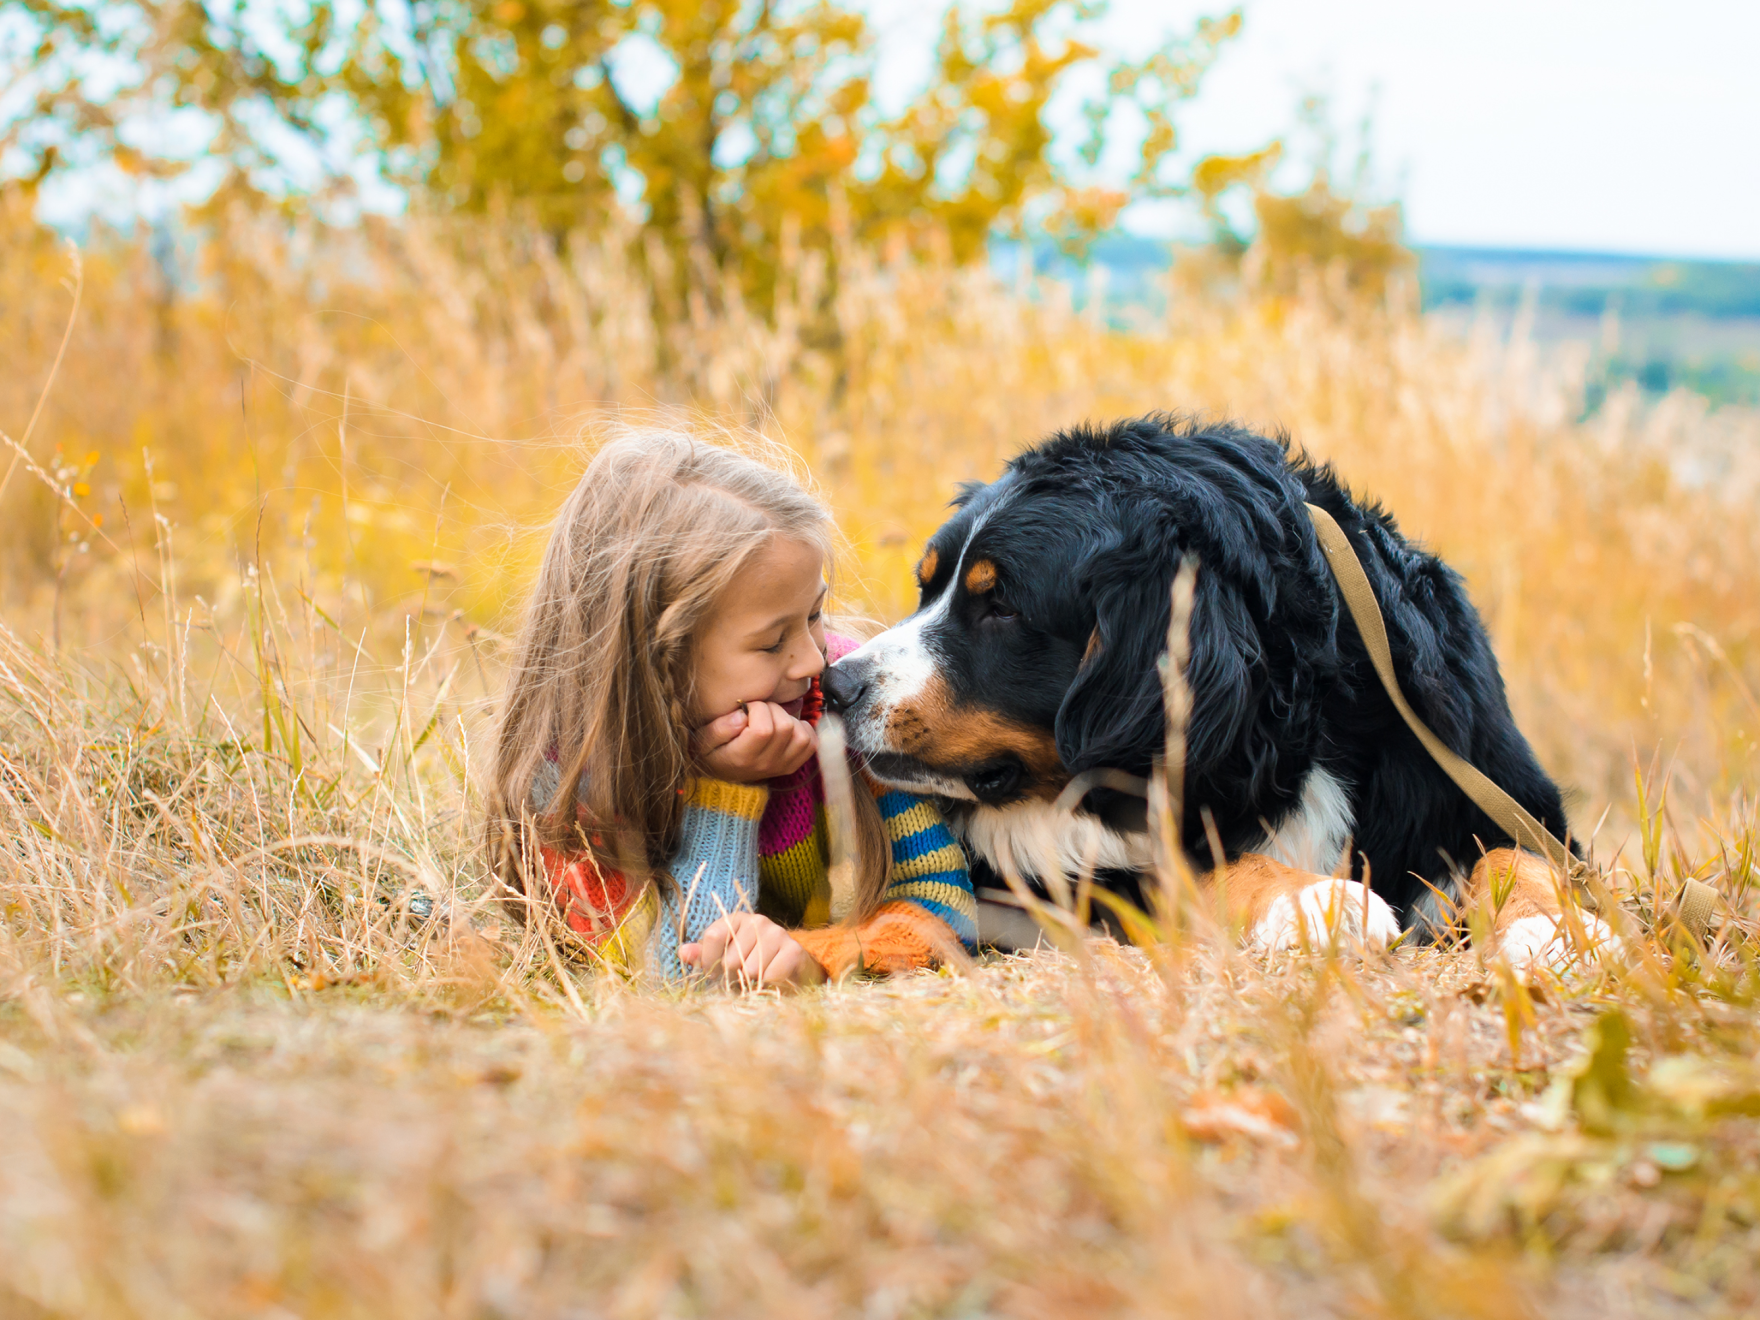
(1086,532)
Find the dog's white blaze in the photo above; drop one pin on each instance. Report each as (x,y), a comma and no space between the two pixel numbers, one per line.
(901,659)
(1312,837)
(902,666)
(1033,838)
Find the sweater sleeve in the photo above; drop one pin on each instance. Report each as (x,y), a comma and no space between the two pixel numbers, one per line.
(598,903)
(927,916)
(715,873)
(928,865)
(716,870)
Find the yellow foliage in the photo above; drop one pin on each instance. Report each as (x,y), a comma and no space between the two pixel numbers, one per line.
(734,135)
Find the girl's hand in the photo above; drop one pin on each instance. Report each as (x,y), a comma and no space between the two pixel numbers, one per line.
(744,945)
(762,741)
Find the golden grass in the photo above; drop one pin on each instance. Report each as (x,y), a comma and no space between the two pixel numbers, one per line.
(336,408)
(266,1047)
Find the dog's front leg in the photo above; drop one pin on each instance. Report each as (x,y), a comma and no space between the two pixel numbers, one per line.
(1281,907)
(1534,919)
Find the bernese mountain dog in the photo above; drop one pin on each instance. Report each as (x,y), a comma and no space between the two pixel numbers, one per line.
(1033,656)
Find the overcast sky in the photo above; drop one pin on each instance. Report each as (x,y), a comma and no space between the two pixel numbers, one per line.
(1607,125)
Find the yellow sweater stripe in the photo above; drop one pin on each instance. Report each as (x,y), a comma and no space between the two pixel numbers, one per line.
(797,872)
(947,858)
(747,801)
(912,820)
(936,891)
(621,949)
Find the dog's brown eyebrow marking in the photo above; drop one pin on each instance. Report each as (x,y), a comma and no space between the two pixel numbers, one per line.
(1094,646)
(981,577)
(927,565)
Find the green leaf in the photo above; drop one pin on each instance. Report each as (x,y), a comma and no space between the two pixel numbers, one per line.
(1602,1091)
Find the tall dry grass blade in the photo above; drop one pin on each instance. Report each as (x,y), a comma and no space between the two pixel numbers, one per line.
(840,816)
(21,447)
(1178,883)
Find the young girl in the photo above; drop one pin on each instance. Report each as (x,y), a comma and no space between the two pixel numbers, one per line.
(655,772)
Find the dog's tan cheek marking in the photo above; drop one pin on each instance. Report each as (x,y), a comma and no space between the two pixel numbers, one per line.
(927,565)
(931,728)
(981,577)
(909,721)
(1094,646)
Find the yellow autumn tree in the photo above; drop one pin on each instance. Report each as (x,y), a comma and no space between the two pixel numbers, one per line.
(724,129)
(1317,229)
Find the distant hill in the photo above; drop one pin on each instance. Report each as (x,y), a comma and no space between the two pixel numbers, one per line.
(1588,283)
(1658,322)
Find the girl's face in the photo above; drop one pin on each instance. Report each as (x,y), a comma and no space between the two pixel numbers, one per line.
(765,638)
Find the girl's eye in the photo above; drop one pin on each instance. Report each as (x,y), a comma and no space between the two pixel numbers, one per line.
(777,649)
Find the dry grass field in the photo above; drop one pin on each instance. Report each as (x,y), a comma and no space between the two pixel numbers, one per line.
(267,1048)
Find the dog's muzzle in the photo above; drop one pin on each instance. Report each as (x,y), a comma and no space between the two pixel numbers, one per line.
(843,689)
(863,689)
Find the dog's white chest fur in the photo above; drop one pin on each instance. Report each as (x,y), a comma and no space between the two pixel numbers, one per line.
(1033,838)
(1313,836)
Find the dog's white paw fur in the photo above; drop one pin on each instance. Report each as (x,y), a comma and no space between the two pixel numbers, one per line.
(1542,941)
(1314,913)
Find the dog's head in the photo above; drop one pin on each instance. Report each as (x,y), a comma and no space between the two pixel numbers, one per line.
(1045,603)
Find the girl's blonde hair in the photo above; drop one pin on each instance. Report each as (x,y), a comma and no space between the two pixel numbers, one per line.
(660,525)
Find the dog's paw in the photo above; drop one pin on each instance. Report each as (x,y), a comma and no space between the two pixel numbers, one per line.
(1325,910)
(1543,941)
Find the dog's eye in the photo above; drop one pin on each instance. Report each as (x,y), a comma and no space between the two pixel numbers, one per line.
(1001,609)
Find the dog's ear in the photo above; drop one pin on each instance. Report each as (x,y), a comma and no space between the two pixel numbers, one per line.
(1114,713)
(1111,716)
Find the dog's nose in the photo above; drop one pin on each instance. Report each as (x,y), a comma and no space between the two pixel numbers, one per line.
(842,689)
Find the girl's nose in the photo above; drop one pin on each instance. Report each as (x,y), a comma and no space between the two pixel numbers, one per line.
(807,661)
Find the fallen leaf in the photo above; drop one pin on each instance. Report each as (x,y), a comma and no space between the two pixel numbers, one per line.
(1245,1112)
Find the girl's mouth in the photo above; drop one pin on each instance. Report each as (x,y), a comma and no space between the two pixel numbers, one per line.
(794,707)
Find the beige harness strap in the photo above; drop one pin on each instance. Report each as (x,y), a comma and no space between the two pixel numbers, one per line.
(1698,900)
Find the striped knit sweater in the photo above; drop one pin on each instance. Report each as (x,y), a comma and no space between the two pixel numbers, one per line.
(765,848)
